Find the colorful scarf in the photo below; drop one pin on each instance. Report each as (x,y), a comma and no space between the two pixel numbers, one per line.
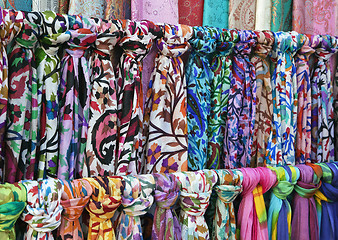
(281,15)
(165,121)
(242,14)
(167,191)
(215,13)
(20,5)
(12,203)
(74,199)
(105,200)
(63,6)
(93,8)
(43,210)
(117,9)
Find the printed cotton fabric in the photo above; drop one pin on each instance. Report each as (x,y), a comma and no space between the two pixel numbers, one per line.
(242,14)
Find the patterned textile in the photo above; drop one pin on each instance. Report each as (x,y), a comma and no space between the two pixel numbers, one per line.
(165,121)
(117,9)
(20,5)
(281,15)
(45,5)
(215,13)
(322,142)
(74,198)
(43,210)
(241,104)
(167,191)
(137,199)
(190,12)
(136,44)
(280,149)
(221,67)
(93,8)
(242,14)
(303,139)
(264,109)
(12,203)
(63,6)
(279,215)
(104,201)
(263,14)
(304,218)
(194,201)
(336,112)
(74,103)
(102,128)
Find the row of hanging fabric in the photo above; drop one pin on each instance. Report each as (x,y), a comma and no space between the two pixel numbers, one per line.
(303,205)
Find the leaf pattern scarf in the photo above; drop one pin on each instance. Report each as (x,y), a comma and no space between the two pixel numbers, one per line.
(137,199)
(167,191)
(196,188)
(281,144)
(241,104)
(279,215)
(43,210)
(102,129)
(263,116)
(12,203)
(74,199)
(165,121)
(105,200)
(322,149)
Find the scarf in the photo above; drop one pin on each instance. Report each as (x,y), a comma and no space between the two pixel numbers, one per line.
(281,15)
(215,13)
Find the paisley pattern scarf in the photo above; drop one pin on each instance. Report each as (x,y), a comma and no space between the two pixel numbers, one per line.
(242,14)
(281,15)
(167,191)
(241,104)
(12,203)
(43,210)
(74,198)
(165,121)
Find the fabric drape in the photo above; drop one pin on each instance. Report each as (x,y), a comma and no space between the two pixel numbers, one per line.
(191,12)
(242,14)
(94,8)
(74,199)
(167,191)
(215,13)
(45,5)
(117,9)
(279,215)
(12,203)
(241,104)
(104,201)
(20,5)
(165,121)
(43,210)
(264,107)
(63,6)
(281,15)
(263,14)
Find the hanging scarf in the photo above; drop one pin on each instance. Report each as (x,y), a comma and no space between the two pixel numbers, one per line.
(74,103)
(279,215)
(241,104)
(94,8)
(281,15)
(45,5)
(20,5)
(12,203)
(196,188)
(137,199)
(280,149)
(263,116)
(242,14)
(105,200)
(322,149)
(327,201)
(117,9)
(190,12)
(215,13)
(165,121)
(263,14)
(43,210)
(63,6)
(303,139)
(48,75)
(221,67)
(167,191)
(304,219)
(136,44)
(74,199)
(102,129)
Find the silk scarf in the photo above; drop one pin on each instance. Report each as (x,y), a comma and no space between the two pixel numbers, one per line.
(190,12)
(117,9)
(94,8)
(20,5)
(263,14)
(281,15)
(45,5)
(215,13)
(63,6)
(242,14)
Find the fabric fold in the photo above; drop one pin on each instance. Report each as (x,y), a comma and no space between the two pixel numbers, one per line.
(281,15)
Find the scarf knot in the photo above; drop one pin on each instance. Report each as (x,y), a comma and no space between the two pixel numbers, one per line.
(230,185)
(265,41)
(51,44)
(287,43)
(329,188)
(195,204)
(325,46)
(247,41)
(11,22)
(29,35)
(167,190)
(80,40)
(226,41)
(204,41)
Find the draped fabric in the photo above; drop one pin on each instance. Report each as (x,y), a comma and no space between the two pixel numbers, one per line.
(280,149)
(263,14)
(45,5)
(74,102)
(43,210)
(335,106)
(104,201)
(63,6)
(304,219)
(165,121)
(102,129)
(167,191)
(281,15)
(74,199)
(194,201)
(215,13)
(241,104)
(224,220)
(94,8)
(322,142)
(264,108)
(20,5)
(191,12)
(137,199)
(279,215)
(117,9)
(12,203)
(221,67)
(242,14)
(303,139)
